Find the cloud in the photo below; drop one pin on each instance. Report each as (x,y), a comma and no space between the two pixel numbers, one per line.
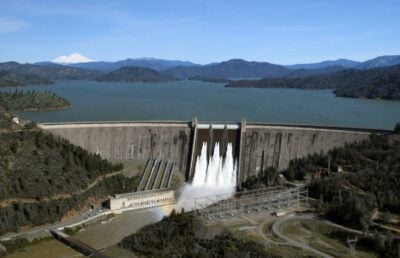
(11,25)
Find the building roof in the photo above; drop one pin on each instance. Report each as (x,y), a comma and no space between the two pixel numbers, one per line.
(124,195)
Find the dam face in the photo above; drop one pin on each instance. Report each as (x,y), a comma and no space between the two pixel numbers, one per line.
(137,141)
(254,146)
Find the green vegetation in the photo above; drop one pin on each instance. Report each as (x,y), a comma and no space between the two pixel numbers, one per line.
(46,73)
(21,243)
(397,128)
(136,74)
(6,123)
(370,181)
(175,236)
(72,231)
(31,100)
(35,164)
(328,239)
(268,178)
(10,79)
(381,82)
(42,177)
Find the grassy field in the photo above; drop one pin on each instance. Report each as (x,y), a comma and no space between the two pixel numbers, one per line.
(52,248)
(323,237)
(119,227)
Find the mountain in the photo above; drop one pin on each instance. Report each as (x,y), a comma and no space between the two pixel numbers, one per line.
(234,68)
(152,63)
(317,71)
(72,59)
(136,74)
(382,82)
(49,71)
(344,63)
(380,61)
(11,79)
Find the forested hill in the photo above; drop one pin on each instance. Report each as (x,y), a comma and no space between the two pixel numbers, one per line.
(370,179)
(175,236)
(366,192)
(49,71)
(31,100)
(11,79)
(381,82)
(136,74)
(43,177)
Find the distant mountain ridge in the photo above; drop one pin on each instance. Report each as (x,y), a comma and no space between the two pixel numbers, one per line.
(380,61)
(375,83)
(136,74)
(49,71)
(346,63)
(152,63)
(11,79)
(226,70)
(234,68)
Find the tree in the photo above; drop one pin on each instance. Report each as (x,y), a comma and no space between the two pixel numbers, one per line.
(397,128)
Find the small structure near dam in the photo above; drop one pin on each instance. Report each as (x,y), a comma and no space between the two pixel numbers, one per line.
(253,146)
(141,200)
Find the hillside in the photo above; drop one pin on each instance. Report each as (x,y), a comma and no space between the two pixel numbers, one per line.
(151,63)
(136,74)
(43,177)
(11,79)
(49,71)
(235,68)
(372,83)
(344,63)
(6,123)
(380,61)
(31,100)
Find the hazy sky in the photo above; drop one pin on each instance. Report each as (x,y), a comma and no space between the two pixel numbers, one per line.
(202,31)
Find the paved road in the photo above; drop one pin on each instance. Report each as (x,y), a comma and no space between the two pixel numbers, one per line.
(43,231)
(276,229)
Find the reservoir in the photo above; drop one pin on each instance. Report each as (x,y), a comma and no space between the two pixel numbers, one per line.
(182,100)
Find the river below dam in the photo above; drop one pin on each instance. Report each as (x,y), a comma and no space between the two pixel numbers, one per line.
(182,100)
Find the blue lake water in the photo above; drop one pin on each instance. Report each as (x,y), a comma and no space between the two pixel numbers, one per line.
(94,101)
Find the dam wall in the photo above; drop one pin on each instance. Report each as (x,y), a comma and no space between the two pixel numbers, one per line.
(266,145)
(137,141)
(256,146)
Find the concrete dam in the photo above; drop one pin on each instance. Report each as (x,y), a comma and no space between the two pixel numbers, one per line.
(255,146)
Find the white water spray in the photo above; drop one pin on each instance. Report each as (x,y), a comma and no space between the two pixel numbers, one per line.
(216,173)
(216,176)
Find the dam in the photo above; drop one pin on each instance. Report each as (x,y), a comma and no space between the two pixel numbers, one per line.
(253,146)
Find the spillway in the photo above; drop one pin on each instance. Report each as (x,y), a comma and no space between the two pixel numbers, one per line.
(217,171)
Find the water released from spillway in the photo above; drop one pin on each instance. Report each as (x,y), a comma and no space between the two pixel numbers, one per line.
(216,175)
(218,172)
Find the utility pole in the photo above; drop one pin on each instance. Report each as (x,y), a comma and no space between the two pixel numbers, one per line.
(329,164)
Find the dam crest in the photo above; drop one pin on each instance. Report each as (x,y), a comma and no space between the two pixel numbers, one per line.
(253,146)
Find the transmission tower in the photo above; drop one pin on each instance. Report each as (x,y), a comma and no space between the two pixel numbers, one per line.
(352,244)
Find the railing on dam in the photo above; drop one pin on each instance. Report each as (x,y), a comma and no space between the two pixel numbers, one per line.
(233,124)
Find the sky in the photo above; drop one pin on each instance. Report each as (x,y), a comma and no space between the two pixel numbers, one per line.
(201,31)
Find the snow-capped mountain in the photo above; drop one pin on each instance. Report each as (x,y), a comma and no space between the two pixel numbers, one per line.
(72,59)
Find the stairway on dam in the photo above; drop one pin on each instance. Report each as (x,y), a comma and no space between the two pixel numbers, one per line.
(157,174)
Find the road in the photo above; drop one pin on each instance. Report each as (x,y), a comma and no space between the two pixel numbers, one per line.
(276,228)
(277,225)
(42,231)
